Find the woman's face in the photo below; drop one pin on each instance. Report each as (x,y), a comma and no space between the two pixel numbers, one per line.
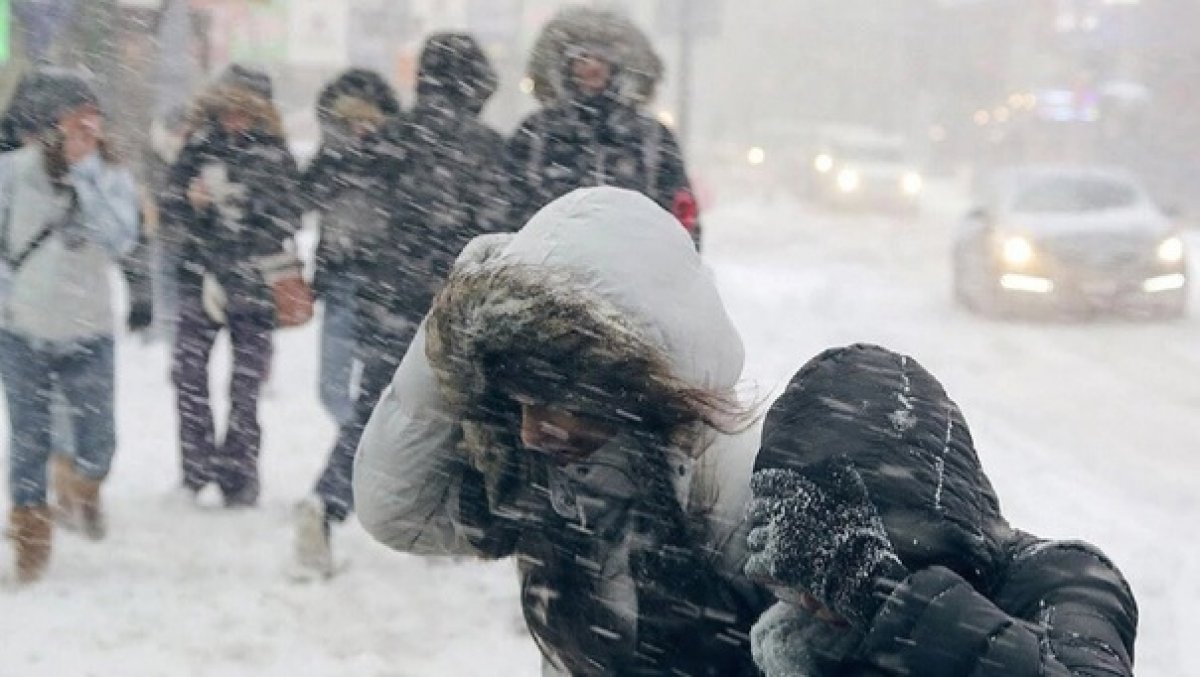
(236,122)
(591,74)
(81,129)
(563,435)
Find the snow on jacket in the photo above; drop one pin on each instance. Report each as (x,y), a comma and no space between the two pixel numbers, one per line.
(62,292)
(448,186)
(351,182)
(257,164)
(982,599)
(424,484)
(604,140)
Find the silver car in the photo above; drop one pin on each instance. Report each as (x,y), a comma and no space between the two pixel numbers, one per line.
(1068,240)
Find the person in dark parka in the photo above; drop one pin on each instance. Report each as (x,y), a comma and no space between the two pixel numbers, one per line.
(350,184)
(446,194)
(877,527)
(593,72)
(232,186)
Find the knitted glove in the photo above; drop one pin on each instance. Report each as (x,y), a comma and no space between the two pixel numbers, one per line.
(819,532)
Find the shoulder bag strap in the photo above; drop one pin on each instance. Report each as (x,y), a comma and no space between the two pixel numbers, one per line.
(44,234)
(6,216)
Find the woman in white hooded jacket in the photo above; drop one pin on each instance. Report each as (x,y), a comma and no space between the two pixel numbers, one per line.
(569,401)
(68,211)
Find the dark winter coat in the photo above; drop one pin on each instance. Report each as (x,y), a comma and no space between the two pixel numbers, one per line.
(579,141)
(351,182)
(439,472)
(982,599)
(447,191)
(259,161)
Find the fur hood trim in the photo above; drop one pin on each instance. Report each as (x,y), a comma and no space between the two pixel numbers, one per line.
(222,97)
(605,32)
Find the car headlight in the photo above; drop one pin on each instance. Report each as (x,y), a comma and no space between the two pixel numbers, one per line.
(848,181)
(823,163)
(1170,250)
(756,155)
(1017,251)
(912,183)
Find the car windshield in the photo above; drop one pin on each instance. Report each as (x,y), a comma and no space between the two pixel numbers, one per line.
(1068,194)
(870,153)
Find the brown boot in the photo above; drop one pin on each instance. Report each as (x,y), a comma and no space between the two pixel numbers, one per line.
(86,495)
(32,531)
(62,482)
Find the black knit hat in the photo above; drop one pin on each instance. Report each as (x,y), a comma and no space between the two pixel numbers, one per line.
(455,66)
(247,78)
(45,94)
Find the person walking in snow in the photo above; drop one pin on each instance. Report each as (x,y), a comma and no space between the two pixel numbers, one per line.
(446,193)
(593,72)
(350,183)
(233,186)
(568,403)
(68,211)
(875,524)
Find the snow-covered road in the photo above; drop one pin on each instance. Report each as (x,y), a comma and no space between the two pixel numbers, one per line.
(1088,430)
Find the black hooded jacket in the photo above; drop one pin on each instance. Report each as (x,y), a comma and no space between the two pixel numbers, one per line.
(578,141)
(352,182)
(982,599)
(261,164)
(448,187)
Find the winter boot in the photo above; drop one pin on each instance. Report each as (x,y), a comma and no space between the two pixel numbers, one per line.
(91,513)
(313,550)
(62,482)
(32,530)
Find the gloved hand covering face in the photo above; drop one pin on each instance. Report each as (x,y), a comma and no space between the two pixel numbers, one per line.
(816,530)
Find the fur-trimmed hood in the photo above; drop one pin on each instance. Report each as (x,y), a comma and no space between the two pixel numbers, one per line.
(238,88)
(603,32)
(626,259)
(357,93)
(575,286)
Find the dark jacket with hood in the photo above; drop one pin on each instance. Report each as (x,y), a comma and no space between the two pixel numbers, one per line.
(262,214)
(351,182)
(447,192)
(982,599)
(579,140)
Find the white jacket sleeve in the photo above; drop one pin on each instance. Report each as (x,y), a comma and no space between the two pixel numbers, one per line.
(407,473)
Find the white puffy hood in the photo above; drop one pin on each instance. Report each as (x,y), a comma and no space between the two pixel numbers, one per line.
(634,254)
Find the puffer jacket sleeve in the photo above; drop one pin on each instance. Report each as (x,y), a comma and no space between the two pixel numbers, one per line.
(1072,614)
(274,181)
(193,225)
(408,478)
(675,192)
(109,207)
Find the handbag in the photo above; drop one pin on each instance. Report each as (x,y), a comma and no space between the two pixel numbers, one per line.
(293,297)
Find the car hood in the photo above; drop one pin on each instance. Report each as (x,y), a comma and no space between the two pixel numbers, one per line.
(1134,223)
(878,170)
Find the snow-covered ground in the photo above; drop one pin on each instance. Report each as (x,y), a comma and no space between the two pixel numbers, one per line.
(1088,431)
